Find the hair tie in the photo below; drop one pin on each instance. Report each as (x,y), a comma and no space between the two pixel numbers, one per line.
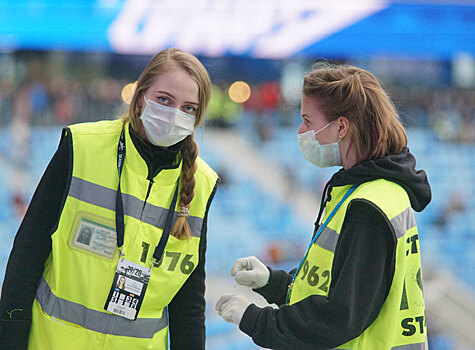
(184,211)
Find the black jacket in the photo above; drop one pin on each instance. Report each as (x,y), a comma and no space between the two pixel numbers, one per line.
(32,247)
(362,269)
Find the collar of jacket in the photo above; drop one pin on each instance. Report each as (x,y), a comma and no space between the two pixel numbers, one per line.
(398,168)
(144,162)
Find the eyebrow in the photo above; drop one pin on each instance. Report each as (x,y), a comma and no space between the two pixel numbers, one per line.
(173,97)
(166,93)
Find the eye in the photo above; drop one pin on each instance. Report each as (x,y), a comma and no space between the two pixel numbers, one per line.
(190,109)
(163,100)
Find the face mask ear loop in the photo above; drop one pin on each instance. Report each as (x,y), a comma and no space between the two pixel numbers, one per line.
(326,126)
(145,100)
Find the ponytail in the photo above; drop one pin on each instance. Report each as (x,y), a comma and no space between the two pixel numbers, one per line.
(356,94)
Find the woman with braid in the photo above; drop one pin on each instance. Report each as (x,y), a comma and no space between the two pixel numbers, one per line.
(138,187)
(359,285)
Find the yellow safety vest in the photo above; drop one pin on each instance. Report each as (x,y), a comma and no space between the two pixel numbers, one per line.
(401,322)
(68,312)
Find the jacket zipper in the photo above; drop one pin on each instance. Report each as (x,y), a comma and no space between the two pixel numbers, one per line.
(151,182)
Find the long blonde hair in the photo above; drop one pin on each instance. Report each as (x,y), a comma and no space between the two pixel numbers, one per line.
(356,94)
(164,60)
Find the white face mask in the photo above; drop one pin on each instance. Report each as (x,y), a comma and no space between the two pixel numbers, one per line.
(322,156)
(166,126)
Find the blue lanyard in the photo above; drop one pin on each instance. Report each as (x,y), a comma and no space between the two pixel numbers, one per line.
(319,232)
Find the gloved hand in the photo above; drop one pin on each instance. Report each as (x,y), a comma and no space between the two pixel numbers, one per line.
(231,307)
(250,272)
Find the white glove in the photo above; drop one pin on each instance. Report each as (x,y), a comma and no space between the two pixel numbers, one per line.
(250,272)
(231,307)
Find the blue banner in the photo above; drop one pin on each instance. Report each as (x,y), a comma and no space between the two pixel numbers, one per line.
(250,28)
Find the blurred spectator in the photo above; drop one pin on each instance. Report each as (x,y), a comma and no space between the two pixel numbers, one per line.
(20,205)
(6,98)
(449,111)
(20,130)
(39,99)
(270,95)
(222,112)
(264,104)
(47,97)
(455,205)
(282,251)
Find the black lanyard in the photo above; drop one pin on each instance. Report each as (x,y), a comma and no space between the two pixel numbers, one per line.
(119,209)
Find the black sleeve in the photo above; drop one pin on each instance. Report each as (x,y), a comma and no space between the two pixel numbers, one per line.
(362,272)
(275,291)
(32,247)
(186,312)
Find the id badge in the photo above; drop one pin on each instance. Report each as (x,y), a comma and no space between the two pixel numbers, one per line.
(93,235)
(128,289)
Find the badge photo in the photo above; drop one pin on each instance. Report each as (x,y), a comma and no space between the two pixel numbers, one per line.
(94,235)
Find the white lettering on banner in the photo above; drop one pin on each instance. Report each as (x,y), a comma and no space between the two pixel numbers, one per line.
(304,26)
(263,28)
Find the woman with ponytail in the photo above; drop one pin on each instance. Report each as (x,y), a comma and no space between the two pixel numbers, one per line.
(359,285)
(138,185)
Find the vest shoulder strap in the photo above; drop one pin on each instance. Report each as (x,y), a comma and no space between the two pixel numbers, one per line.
(97,128)
(378,191)
(206,171)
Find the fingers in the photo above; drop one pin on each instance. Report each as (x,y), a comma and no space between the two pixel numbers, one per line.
(223,300)
(231,307)
(242,279)
(245,278)
(239,264)
(247,263)
(228,312)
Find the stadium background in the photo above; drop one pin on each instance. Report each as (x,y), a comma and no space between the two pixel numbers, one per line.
(64,62)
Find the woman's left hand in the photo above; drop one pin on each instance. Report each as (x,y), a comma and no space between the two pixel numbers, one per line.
(231,307)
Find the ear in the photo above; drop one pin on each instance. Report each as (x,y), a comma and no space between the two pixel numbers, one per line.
(343,126)
(141,102)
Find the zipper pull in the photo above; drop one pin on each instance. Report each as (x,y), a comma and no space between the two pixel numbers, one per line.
(289,291)
(151,182)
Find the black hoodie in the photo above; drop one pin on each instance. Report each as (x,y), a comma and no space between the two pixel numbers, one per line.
(362,269)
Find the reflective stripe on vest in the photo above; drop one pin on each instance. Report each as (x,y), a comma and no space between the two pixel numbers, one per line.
(105,198)
(401,223)
(418,346)
(97,321)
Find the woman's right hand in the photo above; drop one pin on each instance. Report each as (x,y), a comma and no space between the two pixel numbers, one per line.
(250,272)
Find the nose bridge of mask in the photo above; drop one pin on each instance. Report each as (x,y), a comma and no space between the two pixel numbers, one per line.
(171,115)
(308,136)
